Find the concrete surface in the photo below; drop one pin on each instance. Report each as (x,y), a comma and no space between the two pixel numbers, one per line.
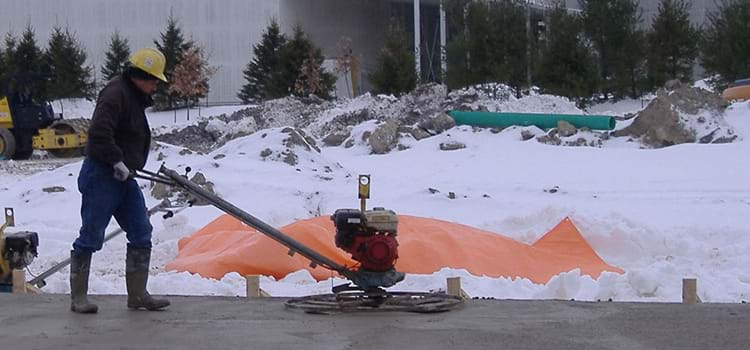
(44,322)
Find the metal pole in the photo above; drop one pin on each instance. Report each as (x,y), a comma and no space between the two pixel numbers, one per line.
(293,245)
(39,282)
(417,41)
(528,43)
(443,43)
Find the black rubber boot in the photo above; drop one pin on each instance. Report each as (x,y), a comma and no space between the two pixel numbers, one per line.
(136,278)
(80,262)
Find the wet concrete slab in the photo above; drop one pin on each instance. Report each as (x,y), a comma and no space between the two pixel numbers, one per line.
(45,322)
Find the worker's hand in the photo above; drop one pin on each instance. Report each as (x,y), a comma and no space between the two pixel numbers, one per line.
(122,172)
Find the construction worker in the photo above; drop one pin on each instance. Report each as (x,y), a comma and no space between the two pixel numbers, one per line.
(118,143)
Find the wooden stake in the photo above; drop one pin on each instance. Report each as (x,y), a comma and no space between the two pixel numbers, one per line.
(253,287)
(690,291)
(19,282)
(454,287)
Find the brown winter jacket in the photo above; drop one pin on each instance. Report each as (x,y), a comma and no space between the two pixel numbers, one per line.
(119,130)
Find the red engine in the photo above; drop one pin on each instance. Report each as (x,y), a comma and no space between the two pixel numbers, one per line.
(369,238)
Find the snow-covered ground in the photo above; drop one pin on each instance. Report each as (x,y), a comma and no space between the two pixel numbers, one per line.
(661,215)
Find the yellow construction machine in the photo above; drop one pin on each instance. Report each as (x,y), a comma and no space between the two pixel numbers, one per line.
(28,122)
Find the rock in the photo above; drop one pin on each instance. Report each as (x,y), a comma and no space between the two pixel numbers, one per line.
(336,138)
(199,179)
(219,156)
(433,190)
(708,138)
(185,151)
(419,133)
(451,195)
(54,189)
(451,146)
(265,153)
(550,138)
(349,143)
(366,135)
(725,139)
(673,84)
(438,124)
(565,129)
(384,137)
(297,137)
(161,191)
(289,157)
(526,135)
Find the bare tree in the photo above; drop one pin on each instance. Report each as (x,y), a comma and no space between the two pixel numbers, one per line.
(345,61)
(190,77)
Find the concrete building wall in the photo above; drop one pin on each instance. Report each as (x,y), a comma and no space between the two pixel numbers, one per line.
(226,28)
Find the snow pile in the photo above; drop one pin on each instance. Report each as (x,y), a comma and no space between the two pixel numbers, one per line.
(395,122)
(500,98)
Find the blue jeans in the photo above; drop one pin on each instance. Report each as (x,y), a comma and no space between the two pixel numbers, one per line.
(103,196)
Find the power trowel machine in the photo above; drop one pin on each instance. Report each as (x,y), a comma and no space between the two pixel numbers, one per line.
(368,235)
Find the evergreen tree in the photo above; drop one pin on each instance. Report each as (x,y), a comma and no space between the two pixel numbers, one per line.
(612,27)
(6,59)
(395,72)
(172,45)
(8,54)
(456,51)
(66,59)
(567,66)
(672,47)
(725,46)
(469,53)
(27,56)
(294,54)
(26,61)
(630,67)
(490,44)
(262,72)
(508,45)
(3,68)
(116,57)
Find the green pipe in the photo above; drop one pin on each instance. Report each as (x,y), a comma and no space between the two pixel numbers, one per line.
(541,120)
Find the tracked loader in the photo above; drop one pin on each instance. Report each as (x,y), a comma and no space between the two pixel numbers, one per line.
(28,122)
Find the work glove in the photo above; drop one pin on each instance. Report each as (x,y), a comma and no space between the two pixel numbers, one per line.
(122,172)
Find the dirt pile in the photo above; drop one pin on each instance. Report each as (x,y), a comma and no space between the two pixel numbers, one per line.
(681,114)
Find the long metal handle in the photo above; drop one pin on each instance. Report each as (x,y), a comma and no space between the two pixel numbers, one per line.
(268,230)
(39,281)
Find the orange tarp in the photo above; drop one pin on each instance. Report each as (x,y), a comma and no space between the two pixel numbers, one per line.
(425,246)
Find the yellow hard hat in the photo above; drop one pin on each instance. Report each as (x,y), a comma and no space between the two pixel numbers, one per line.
(151,61)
